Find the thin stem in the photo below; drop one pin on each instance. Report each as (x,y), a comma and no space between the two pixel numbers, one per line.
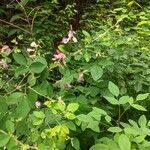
(118,116)
(7,82)
(32,23)
(20,86)
(38,92)
(19,142)
(13,25)
(103,34)
(38,7)
(25,13)
(123,113)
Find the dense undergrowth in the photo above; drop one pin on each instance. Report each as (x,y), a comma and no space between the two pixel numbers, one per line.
(75,75)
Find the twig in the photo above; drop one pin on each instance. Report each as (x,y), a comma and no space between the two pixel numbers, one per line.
(38,92)
(25,13)
(38,7)
(103,34)
(13,25)
(123,113)
(32,23)
(19,142)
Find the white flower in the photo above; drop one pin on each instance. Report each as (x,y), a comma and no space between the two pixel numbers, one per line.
(38,104)
(30,50)
(81,77)
(34,45)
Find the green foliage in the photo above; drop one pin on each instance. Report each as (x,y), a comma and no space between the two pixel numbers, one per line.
(88,90)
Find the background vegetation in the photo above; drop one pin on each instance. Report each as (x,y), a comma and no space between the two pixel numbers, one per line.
(75,75)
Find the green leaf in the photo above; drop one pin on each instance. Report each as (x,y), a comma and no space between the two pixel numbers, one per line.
(86,33)
(115,129)
(141,97)
(96,72)
(3,105)
(37,121)
(64,129)
(15,17)
(84,118)
(62,48)
(31,80)
(87,56)
(21,70)
(59,106)
(113,89)
(138,107)
(72,107)
(71,125)
(112,100)
(39,114)
(70,116)
(37,67)
(44,88)
(99,111)
(131,130)
(20,59)
(23,108)
(139,139)
(10,126)
(95,114)
(41,146)
(123,100)
(107,118)
(124,142)
(12,144)
(4,138)
(41,60)
(99,147)
(14,98)
(75,144)
(131,100)
(142,121)
(133,123)
(94,125)
(143,23)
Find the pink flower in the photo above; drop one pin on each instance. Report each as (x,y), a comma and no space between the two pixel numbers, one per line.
(70,37)
(58,55)
(65,40)
(3,64)
(5,49)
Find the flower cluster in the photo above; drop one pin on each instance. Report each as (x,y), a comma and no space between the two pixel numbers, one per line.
(59,55)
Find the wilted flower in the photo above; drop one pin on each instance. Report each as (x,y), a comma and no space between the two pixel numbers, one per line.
(70,36)
(58,55)
(34,45)
(31,52)
(38,104)
(5,49)
(3,64)
(67,85)
(81,77)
